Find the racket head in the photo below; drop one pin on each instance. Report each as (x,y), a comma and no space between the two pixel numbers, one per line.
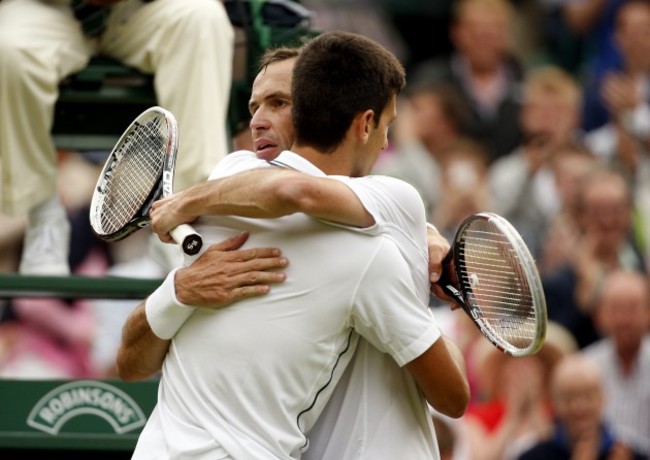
(499,283)
(133,176)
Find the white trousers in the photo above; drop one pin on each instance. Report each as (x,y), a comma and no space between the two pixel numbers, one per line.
(187,44)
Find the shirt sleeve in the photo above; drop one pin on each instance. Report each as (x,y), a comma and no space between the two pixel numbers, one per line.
(391,201)
(387,310)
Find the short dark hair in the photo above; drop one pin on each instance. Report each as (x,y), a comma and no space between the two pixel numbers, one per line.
(337,76)
(273,55)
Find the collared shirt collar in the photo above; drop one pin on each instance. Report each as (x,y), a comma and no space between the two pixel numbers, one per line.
(291,160)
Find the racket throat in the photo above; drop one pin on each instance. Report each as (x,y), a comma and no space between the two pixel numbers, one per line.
(455,294)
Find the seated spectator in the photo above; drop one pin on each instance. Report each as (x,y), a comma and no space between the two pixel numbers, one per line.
(604,210)
(512,411)
(623,356)
(521,183)
(624,140)
(42,42)
(579,430)
(622,76)
(485,72)
(592,23)
(430,120)
(463,185)
(570,165)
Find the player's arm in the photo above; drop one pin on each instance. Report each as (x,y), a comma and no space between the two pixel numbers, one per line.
(449,395)
(141,352)
(262,193)
(275,192)
(233,275)
(414,341)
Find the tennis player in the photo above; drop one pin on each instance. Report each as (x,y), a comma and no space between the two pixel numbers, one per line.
(376,411)
(302,337)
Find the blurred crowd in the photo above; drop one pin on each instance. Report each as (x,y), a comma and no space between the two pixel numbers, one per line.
(538,110)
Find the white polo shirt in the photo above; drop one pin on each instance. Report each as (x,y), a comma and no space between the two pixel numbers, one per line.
(249,381)
(377,411)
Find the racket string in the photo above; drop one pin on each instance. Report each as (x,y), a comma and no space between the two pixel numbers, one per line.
(492,273)
(135,172)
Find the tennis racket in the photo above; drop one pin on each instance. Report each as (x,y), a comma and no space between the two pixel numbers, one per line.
(491,274)
(139,171)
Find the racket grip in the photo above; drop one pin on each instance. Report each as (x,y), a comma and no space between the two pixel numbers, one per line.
(187,238)
(448,281)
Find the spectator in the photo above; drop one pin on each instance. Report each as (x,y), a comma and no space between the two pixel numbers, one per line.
(363,17)
(569,165)
(512,412)
(623,97)
(605,222)
(621,74)
(51,338)
(521,183)
(592,22)
(463,184)
(558,44)
(484,71)
(41,42)
(579,430)
(411,17)
(623,356)
(617,146)
(431,116)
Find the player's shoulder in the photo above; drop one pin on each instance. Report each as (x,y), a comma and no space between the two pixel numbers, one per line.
(399,189)
(395,196)
(238,161)
(387,186)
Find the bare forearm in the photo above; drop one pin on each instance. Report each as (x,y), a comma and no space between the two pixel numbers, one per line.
(264,193)
(141,352)
(272,193)
(440,374)
(456,356)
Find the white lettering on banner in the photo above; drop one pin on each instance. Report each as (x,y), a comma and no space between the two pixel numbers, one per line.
(84,397)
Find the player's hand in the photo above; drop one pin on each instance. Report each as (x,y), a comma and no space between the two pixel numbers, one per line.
(438,247)
(166,215)
(437,290)
(225,274)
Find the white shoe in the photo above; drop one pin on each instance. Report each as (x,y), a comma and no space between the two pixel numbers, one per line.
(47,241)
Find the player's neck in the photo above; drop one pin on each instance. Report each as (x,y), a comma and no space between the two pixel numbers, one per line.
(330,163)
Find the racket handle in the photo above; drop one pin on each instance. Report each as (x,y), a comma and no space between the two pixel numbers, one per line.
(187,238)
(447,280)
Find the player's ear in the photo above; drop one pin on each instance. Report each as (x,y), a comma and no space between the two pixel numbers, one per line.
(364,122)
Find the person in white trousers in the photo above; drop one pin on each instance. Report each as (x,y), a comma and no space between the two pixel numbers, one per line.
(186,44)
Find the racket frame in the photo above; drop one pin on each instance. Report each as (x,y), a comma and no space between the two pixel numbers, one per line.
(184,235)
(449,281)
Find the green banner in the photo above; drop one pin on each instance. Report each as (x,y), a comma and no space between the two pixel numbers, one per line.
(74,414)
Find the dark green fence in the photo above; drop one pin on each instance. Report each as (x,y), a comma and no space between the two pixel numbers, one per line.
(76,418)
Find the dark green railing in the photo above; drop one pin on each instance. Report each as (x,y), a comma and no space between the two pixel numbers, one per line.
(14,285)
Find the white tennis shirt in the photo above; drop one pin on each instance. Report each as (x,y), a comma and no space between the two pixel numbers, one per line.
(249,381)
